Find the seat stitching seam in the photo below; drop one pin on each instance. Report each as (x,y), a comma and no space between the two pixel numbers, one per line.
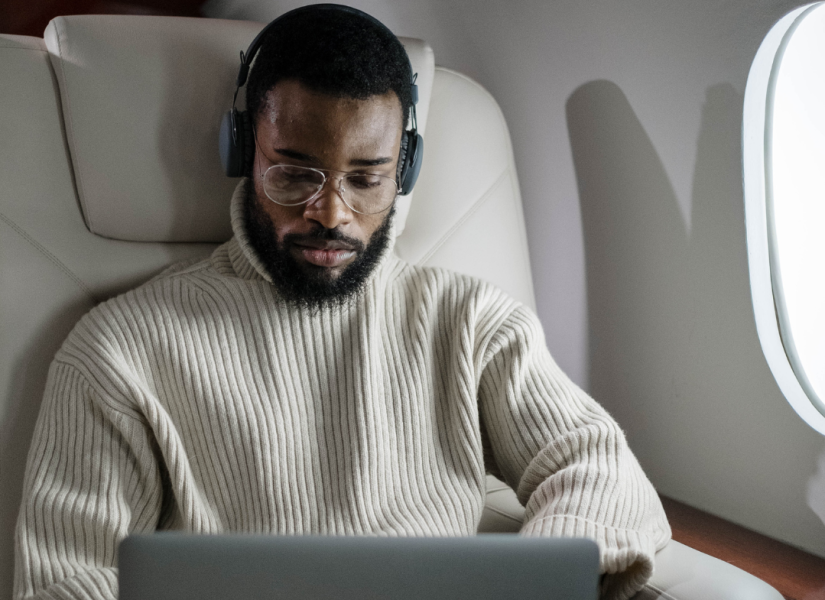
(502,513)
(473,208)
(2,47)
(52,258)
(525,242)
(498,488)
(659,591)
(67,116)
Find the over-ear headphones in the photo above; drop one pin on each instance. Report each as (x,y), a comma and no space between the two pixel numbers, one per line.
(236,142)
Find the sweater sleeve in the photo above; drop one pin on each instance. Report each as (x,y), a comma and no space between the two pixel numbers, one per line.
(567,458)
(91,479)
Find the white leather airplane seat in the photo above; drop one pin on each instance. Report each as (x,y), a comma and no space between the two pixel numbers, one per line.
(109,172)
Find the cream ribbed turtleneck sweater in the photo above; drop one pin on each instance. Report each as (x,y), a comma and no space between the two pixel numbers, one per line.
(201,402)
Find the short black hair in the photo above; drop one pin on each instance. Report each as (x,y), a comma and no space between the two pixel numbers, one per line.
(331,51)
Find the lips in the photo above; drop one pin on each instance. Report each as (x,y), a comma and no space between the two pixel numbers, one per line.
(325,244)
(325,253)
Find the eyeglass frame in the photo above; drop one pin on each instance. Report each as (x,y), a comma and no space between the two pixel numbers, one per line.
(323,173)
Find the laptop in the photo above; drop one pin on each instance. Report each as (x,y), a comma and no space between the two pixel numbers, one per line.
(174,566)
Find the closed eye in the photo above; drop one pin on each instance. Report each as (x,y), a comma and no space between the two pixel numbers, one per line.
(365,181)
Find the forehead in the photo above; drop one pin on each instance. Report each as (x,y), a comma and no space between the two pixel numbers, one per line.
(294,114)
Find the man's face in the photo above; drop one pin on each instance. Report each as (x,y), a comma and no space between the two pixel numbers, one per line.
(321,250)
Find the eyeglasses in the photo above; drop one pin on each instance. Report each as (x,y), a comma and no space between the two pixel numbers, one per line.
(363,193)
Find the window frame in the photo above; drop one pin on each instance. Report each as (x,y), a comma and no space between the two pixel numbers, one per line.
(766,291)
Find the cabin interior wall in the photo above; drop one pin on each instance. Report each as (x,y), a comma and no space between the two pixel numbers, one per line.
(625,119)
(626,123)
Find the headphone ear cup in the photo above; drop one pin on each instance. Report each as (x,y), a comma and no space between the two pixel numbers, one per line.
(234,143)
(412,151)
(248,143)
(226,142)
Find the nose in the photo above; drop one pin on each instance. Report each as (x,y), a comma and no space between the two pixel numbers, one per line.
(328,207)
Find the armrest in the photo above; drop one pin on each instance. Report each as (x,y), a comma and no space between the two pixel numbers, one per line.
(682,573)
(502,512)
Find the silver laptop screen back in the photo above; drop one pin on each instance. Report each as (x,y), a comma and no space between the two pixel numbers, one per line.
(168,566)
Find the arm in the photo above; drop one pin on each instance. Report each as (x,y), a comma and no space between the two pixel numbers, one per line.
(91,479)
(566,458)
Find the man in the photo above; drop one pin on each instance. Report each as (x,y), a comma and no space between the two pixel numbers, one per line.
(305,380)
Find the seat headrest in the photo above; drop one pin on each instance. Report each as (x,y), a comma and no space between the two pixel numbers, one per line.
(142,102)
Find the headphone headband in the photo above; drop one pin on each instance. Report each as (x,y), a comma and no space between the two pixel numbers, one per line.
(249,56)
(236,130)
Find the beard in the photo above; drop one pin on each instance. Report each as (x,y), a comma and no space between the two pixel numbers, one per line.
(306,285)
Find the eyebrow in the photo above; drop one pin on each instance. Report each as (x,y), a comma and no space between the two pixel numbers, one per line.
(356,162)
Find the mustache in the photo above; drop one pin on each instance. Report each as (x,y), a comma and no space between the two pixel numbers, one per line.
(320,233)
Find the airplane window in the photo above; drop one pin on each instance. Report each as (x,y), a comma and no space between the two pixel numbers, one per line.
(784,178)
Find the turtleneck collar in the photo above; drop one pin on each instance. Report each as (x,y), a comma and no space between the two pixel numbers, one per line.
(248,265)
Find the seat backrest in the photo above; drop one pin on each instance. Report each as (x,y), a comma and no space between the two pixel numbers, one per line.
(109,172)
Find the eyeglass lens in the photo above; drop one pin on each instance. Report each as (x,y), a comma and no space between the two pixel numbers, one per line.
(363,192)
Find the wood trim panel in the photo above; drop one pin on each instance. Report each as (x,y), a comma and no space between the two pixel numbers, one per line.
(30,17)
(796,574)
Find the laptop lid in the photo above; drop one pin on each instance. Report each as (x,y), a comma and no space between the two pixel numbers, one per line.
(172,566)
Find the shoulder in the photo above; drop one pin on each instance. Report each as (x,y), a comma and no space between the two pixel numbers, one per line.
(130,318)
(459,305)
(450,283)
(475,299)
(162,290)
